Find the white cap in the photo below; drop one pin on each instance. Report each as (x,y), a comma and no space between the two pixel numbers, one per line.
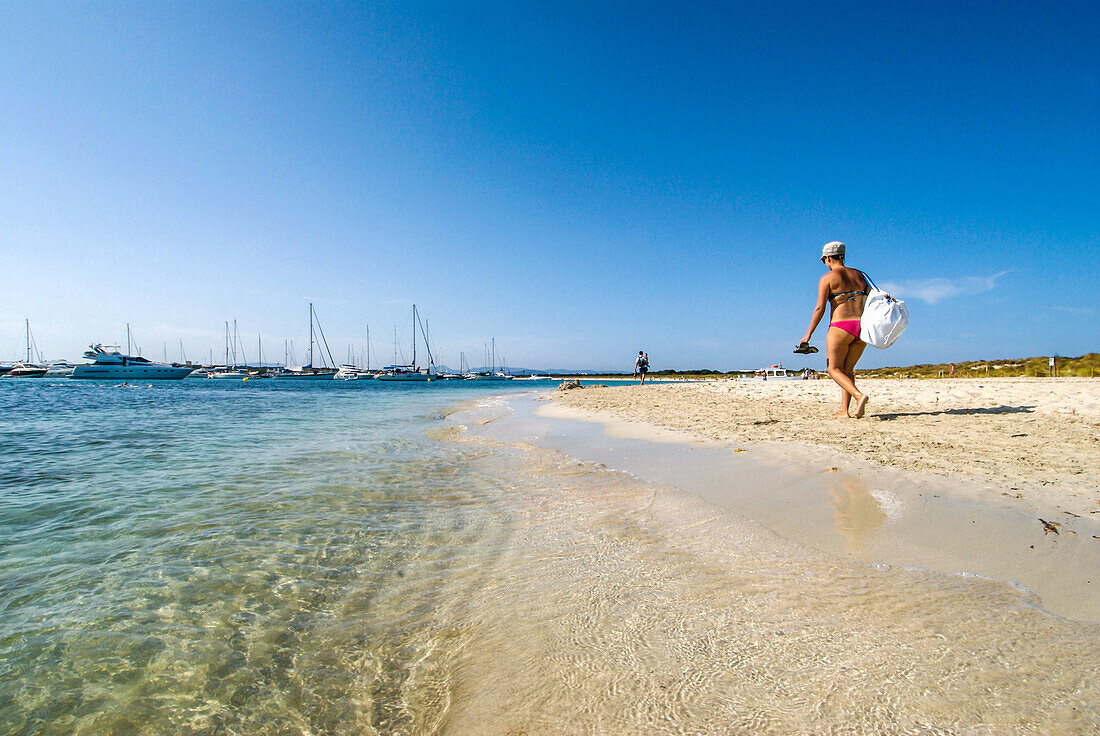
(834,249)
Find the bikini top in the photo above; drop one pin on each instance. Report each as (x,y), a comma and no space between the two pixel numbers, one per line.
(850,294)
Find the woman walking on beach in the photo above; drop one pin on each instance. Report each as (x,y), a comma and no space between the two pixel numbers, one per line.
(844,290)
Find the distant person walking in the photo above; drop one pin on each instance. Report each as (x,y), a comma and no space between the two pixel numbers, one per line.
(641,365)
(843,289)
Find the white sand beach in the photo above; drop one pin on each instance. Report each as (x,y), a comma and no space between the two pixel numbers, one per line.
(1032,438)
(999,477)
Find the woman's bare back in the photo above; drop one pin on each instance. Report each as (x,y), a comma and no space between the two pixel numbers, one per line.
(847,289)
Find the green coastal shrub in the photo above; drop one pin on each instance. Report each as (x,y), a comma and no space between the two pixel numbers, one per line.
(1083,366)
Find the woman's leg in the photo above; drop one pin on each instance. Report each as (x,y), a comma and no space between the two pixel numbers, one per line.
(837,345)
(845,403)
(855,350)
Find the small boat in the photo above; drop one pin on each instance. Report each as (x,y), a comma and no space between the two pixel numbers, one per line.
(305,373)
(229,374)
(488,376)
(26,370)
(403,373)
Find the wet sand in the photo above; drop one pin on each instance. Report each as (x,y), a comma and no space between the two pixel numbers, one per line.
(651,581)
(962,490)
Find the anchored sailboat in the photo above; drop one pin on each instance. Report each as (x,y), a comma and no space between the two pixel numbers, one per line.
(410,372)
(231,371)
(492,374)
(309,372)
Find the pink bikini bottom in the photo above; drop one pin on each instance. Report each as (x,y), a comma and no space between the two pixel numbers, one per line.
(851,326)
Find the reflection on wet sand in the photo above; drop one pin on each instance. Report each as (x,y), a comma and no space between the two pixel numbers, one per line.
(858,515)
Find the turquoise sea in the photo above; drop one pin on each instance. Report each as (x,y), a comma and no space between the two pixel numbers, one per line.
(204,557)
(200,556)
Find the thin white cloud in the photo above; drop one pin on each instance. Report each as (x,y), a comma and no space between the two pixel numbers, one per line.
(1069,310)
(936,290)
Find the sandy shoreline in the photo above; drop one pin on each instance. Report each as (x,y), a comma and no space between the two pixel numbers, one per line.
(670,584)
(1036,440)
(997,478)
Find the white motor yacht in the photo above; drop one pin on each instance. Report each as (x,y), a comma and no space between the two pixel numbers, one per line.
(59,369)
(348,372)
(109,363)
(772,373)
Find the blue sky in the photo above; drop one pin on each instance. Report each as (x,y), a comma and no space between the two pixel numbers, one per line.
(578,180)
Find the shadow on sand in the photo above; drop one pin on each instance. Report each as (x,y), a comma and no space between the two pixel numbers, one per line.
(982,410)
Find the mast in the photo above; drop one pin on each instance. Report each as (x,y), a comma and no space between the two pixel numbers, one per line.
(368,347)
(395,344)
(285,353)
(227,343)
(238,342)
(311,334)
(414,337)
(127,336)
(28,339)
(324,341)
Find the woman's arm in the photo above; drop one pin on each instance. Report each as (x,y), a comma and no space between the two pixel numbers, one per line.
(819,310)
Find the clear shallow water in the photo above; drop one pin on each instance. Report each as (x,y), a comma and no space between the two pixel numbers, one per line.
(344,559)
(187,557)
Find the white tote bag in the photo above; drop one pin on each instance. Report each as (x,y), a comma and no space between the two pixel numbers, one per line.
(884,317)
